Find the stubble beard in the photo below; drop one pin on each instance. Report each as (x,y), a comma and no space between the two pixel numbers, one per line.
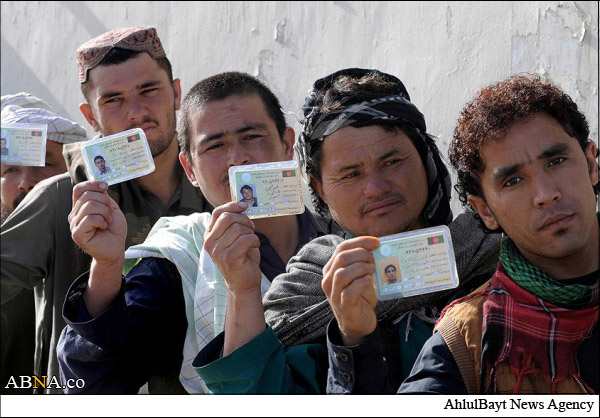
(158,146)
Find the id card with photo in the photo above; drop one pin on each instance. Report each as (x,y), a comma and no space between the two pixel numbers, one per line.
(414,263)
(270,189)
(119,157)
(24,144)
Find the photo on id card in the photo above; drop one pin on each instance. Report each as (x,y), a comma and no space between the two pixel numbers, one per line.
(269,189)
(119,157)
(414,263)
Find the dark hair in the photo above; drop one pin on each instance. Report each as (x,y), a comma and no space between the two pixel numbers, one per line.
(120,55)
(494,110)
(98,157)
(388,266)
(246,187)
(361,87)
(220,87)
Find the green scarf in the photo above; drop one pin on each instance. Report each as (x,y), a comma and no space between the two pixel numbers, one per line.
(541,284)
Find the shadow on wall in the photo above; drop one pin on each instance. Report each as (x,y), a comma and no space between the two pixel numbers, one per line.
(83,14)
(27,77)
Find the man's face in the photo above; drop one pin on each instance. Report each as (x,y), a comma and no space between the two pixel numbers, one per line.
(17,181)
(3,143)
(134,94)
(537,184)
(231,132)
(373,181)
(390,273)
(101,164)
(247,193)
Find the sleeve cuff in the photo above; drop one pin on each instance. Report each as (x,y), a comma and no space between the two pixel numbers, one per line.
(76,315)
(350,367)
(212,367)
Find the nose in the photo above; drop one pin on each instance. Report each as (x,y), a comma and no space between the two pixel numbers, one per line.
(136,110)
(545,190)
(27,180)
(376,185)
(237,155)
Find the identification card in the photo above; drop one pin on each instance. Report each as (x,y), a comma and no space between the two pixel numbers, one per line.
(24,144)
(119,157)
(270,189)
(414,263)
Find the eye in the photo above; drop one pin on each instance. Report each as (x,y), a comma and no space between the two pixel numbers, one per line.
(214,146)
(513,181)
(112,101)
(351,175)
(10,170)
(150,92)
(251,137)
(557,161)
(391,162)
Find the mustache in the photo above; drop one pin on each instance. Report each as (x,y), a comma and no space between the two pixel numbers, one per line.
(19,199)
(388,199)
(143,122)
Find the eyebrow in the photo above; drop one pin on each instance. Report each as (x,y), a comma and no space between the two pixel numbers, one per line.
(504,172)
(253,126)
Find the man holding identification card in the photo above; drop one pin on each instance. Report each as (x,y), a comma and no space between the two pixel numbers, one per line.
(526,164)
(375,170)
(18,314)
(174,298)
(127,83)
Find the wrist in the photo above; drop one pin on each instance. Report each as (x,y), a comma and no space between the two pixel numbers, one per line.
(350,339)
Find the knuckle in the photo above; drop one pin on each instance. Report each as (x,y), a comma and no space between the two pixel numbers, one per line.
(339,274)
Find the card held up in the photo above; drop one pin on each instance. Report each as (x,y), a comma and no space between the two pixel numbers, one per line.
(414,263)
(119,157)
(269,189)
(24,144)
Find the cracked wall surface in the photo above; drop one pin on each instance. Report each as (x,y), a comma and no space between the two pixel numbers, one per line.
(442,51)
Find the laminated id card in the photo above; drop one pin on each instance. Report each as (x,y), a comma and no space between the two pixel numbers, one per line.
(270,189)
(24,144)
(119,157)
(415,262)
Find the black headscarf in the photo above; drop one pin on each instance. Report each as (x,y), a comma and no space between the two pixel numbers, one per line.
(394,108)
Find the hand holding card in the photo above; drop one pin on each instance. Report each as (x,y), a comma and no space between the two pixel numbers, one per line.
(234,247)
(119,157)
(348,285)
(97,223)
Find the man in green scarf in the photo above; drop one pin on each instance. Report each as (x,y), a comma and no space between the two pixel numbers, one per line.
(526,165)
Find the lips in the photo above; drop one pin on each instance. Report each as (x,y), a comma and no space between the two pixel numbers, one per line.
(380,206)
(557,221)
(147,126)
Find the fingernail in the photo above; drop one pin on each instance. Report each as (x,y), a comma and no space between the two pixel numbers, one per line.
(243,205)
(103,186)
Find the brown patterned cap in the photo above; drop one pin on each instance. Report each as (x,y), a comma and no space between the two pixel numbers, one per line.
(139,38)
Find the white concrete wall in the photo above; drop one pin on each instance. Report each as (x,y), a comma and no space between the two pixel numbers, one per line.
(442,51)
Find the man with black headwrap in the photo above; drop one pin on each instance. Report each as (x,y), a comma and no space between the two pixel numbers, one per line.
(375,171)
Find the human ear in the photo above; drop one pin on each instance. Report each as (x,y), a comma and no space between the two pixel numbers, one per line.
(484,211)
(187,167)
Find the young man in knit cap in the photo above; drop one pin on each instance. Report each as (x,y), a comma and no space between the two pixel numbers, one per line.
(18,315)
(127,82)
(376,171)
(526,164)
